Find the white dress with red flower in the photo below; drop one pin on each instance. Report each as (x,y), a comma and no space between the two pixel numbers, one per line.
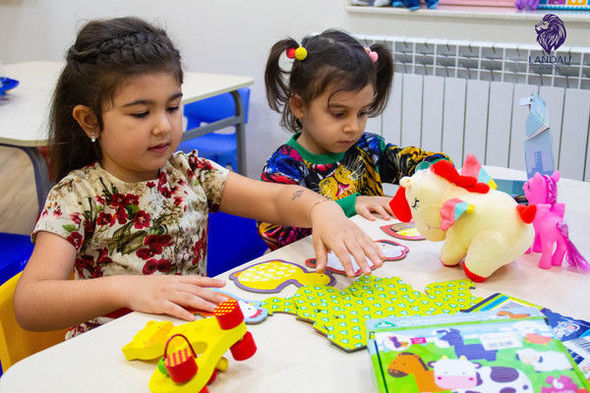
(150,227)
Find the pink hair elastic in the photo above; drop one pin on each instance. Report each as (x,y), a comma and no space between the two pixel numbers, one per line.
(373,55)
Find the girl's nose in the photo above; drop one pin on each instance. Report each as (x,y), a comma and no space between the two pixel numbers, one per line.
(163,124)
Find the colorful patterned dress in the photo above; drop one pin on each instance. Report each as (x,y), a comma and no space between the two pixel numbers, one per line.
(360,170)
(150,227)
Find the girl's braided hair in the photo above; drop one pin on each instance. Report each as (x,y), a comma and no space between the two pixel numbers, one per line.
(105,53)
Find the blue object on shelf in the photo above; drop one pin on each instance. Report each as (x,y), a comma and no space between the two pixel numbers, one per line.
(232,241)
(221,148)
(7,84)
(15,251)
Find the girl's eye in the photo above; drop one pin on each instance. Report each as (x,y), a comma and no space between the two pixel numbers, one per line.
(416,202)
(173,109)
(363,114)
(140,115)
(338,115)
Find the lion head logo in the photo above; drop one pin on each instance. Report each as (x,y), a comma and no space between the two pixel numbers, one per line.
(550,32)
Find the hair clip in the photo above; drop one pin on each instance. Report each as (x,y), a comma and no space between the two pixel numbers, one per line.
(373,55)
(300,53)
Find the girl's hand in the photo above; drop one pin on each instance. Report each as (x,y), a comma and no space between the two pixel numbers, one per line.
(369,206)
(332,231)
(171,295)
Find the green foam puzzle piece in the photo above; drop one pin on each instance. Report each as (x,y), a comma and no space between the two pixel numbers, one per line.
(341,314)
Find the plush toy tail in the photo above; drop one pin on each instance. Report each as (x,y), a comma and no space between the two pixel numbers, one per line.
(400,207)
(573,256)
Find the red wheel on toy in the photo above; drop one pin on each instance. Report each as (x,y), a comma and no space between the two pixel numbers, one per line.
(228,314)
(213,376)
(245,348)
(205,389)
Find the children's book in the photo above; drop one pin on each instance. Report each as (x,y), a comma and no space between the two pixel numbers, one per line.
(574,333)
(479,352)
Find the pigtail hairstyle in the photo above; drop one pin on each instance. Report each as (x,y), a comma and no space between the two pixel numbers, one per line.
(104,54)
(335,60)
(277,88)
(384,72)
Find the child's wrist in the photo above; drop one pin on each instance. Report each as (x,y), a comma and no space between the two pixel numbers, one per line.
(314,205)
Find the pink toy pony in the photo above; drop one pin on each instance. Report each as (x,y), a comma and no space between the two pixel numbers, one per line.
(549,226)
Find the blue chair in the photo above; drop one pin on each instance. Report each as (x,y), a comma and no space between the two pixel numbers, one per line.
(15,251)
(232,241)
(221,148)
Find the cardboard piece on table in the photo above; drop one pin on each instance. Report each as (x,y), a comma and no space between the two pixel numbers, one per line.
(402,230)
(393,252)
(252,310)
(341,315)
(274,275)
(538,146)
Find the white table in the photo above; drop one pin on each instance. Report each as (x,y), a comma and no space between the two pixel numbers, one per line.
(292,356)
(24,111)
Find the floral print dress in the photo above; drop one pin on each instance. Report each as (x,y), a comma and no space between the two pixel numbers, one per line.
(151,227)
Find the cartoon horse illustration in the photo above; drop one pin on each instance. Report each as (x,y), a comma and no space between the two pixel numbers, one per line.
(407,363)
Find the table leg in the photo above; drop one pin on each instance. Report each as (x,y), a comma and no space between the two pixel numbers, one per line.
(42,183)
(240,132)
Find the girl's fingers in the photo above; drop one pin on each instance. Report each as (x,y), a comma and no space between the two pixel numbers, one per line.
(177,311)
(203,281)
(343,254)
(358,253)
(366,214)
(388,209)
(321,255)
(382,213)
(374,252)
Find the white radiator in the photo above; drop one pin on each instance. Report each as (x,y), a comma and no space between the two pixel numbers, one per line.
(462,97)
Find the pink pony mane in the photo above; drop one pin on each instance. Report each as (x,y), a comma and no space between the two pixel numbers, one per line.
(551,190)
(542,191)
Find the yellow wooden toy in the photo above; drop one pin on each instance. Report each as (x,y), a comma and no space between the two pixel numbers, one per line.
(193,362)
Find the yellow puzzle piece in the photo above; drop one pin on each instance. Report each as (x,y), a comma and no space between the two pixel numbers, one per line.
(274,275)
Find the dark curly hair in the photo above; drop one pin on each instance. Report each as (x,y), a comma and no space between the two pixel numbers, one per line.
(105,53)
(334,60)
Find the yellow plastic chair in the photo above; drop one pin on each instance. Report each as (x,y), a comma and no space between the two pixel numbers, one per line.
(15,342)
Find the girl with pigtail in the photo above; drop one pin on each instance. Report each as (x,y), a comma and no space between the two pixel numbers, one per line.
(128,215)
(325,96)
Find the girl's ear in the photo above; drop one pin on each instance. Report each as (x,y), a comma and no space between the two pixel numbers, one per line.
(296,105)
(87,120)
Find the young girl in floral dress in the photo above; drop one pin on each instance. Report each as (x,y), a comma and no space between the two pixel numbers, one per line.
(129,215)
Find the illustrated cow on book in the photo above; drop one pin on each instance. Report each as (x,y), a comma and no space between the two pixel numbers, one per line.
(462,376)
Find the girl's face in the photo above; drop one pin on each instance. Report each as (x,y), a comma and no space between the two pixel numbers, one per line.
(333,122)
(142,126)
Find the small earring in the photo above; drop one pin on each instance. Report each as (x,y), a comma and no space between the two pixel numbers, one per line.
(92,139)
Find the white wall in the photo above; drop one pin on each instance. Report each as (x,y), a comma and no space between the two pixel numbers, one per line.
(222,36)
(234,36)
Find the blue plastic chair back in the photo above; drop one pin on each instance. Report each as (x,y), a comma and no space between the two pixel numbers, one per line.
(15,251)
(221,148)
(232,241)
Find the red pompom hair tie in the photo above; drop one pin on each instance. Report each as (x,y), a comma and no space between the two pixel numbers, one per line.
(299,53)
(373,55)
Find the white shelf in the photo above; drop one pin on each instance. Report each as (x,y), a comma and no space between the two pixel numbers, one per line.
(448,11)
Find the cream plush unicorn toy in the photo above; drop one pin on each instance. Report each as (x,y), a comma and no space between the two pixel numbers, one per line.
(479,224)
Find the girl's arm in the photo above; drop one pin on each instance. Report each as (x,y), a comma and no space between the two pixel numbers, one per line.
(297,206)
(45,298)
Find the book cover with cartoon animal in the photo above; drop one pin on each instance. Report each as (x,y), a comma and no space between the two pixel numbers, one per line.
(480,352)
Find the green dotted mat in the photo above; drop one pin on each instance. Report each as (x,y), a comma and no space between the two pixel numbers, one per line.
(341,315)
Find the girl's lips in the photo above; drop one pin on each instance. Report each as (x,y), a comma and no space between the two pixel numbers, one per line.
(159,149)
